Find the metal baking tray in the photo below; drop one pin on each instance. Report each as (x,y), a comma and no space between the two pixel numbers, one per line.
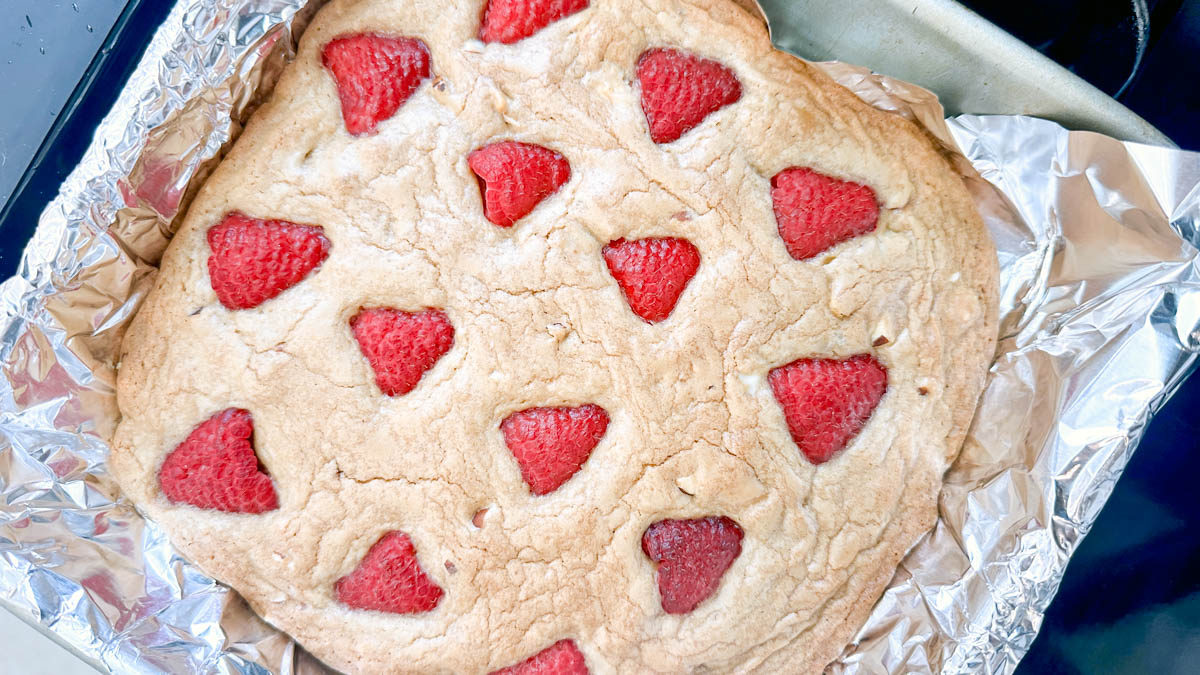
(971,64)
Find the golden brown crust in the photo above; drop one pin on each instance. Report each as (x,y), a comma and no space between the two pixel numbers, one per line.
(539,322)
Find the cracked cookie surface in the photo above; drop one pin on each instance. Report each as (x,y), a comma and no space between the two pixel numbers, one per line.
(692,427)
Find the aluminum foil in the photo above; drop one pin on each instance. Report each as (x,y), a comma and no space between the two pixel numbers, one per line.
(1100,321)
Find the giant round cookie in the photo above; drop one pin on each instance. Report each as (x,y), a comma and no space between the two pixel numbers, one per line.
(559,336)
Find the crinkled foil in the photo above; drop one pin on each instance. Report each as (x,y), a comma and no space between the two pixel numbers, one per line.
(1100,321)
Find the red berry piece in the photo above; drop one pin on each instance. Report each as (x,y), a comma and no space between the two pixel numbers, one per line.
(826,402)
(255,260)
(515,177)
(215,467)
(692,557)
(401,346)
(551,444)
(509,21)
(560,658)
(389,579)
(816,212)
(652,273)
(679,90)
(375,75)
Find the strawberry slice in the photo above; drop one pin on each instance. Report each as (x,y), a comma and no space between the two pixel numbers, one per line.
(389,579)
(826,402)
(401,346)
(680,89)
(560,658)
(816,212)
(551,444)
(509,21)
(652,273)
(255,260)
(692,555)
(375,75)
(215,467)
(515,177)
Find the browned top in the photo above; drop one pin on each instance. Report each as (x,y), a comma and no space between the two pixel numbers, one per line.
(695,430)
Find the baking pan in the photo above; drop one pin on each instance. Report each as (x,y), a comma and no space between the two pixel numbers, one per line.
(936,43)
(971,64)
(64,144)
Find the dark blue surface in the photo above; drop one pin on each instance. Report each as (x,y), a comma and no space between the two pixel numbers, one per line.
(1130,602)
(1098,40)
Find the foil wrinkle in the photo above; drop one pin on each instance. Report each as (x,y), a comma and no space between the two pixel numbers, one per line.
(1100,322)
